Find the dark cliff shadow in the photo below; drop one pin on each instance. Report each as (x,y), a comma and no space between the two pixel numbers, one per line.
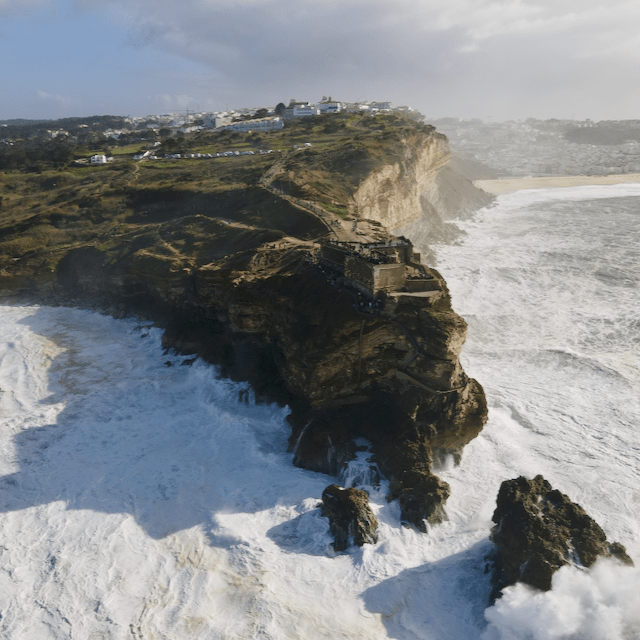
(186,453)
(444,599)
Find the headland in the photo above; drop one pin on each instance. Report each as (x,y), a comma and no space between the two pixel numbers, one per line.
(278,267)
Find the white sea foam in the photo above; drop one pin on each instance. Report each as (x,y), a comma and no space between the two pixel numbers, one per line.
(146,499)
(140,500)
(549,283)
(601,604)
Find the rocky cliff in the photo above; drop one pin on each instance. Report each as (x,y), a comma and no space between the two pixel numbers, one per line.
(393,194)
(236,273)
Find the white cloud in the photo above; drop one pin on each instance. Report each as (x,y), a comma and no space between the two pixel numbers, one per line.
(285,47)
(445,57)
(176,102)
(63,101)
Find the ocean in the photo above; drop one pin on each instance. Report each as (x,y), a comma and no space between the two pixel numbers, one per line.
(143,499)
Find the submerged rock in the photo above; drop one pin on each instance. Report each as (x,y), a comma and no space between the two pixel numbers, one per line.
(350,517)
(538,530)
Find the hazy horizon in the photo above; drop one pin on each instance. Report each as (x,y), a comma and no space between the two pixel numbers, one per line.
(496,61)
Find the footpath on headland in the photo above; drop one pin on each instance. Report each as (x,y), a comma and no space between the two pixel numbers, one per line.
(509,185)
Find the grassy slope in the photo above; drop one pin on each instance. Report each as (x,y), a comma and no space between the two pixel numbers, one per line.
(180,207)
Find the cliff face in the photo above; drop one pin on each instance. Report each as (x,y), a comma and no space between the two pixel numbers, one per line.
(392,195)
(302,334)
(447,194)
(241,279)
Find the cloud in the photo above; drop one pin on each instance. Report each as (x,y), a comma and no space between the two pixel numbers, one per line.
(277,34)
(176,102)
(63,101)
(445,57)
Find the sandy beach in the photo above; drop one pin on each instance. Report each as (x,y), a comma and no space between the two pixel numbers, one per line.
(509,185)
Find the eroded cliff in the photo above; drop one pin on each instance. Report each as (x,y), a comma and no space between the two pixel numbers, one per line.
(393,194)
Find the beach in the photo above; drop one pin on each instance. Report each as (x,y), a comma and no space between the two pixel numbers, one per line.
(509,185)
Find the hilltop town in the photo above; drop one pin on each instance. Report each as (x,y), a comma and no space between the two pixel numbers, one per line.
(109,136)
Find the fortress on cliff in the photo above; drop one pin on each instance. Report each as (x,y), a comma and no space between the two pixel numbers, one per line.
(376,267)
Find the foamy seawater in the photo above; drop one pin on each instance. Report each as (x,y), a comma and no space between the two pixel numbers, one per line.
(548,281)
(141,500)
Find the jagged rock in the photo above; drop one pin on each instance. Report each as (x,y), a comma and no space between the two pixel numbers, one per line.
(538,530)
(421,495)
(350,516)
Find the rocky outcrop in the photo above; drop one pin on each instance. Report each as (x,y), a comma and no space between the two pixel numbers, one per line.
(270,315)
(235,277)
(421,494)
(351,520)
(538,530)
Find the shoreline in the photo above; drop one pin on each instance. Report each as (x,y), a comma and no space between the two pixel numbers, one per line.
(509,185)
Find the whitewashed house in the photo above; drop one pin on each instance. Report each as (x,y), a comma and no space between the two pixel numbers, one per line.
(329,106)
(304,111)
(99,159)
(259,124)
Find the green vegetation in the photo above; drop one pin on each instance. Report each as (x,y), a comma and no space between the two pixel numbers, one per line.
(175,207)
(338,209)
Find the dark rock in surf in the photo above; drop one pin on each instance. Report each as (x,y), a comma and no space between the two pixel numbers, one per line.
(421,494)
(350,518)
(538,530)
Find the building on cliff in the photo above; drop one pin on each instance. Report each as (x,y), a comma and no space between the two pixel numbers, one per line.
(258,124)
(373,268)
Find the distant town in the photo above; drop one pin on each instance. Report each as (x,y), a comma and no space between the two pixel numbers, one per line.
(547,147)
(515,148)
(35,143)
(243,119)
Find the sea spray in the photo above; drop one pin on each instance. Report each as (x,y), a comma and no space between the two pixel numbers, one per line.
(600,604)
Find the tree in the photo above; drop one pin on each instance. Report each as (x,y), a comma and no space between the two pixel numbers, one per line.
(280,107)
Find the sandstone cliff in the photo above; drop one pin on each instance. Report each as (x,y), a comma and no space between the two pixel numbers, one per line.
(447,194)
(393,195)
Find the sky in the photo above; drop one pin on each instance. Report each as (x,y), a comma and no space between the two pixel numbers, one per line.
(490,59)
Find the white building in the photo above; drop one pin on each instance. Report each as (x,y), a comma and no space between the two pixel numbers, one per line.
(329,106)
(99,159)
(260,124)
(304,111)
